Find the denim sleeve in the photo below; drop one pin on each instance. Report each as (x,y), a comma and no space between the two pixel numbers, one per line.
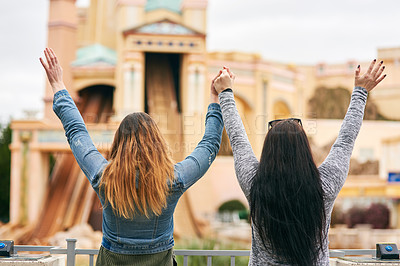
(197,163)
(88,157)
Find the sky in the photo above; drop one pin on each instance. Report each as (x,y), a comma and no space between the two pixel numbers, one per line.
(289,31)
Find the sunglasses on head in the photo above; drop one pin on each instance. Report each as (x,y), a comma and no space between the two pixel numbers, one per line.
(274,122)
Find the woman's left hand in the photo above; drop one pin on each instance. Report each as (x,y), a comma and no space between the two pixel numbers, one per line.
(53,70)
(213,92)
(371,78)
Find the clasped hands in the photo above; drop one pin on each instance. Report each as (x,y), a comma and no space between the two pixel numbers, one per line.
(224,80)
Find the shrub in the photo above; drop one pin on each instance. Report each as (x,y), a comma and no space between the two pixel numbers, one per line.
(211,244)
(5,163)
(378,215)
(232,206)
(244,215)
(355,215)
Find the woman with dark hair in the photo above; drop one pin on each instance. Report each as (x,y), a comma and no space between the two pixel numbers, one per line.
(290,199)
(138,186)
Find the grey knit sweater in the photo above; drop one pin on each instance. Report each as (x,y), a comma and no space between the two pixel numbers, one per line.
(333,171)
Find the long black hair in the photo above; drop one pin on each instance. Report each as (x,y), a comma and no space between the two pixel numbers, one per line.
(286,197)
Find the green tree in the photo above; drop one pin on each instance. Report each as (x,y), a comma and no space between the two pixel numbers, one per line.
(332,103)
(5,162)
(378,215)
(329,103)
(231,206)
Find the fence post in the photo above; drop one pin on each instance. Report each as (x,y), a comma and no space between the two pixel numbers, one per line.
(91,260)
(209,260)
(71,242)
(232,260)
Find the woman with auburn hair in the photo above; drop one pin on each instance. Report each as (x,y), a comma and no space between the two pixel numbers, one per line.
(138,186)
(290,199)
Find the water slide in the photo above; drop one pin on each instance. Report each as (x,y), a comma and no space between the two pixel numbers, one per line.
(162,106)
(70,200)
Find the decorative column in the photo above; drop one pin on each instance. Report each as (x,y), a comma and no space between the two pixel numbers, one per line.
(62,28)
(15,177)
(29,175)
(194,14)
(38,165)
(134,83)
(196,86)
(25,138)
(130,13)
(130,94)
(194,104)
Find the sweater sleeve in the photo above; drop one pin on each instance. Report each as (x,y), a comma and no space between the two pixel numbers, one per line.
(335,168)
(246,163)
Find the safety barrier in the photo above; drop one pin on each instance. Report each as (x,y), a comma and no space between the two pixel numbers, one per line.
(71,251)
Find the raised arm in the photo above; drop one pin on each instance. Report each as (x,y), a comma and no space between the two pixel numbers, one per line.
(89,159)
(335,168)
(246,163)
(197,163)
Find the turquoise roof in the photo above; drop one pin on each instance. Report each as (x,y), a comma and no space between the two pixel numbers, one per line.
(172,5)
(96,53)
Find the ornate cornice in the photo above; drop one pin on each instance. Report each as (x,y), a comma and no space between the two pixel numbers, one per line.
(196,4)
(61,23)
(131,2)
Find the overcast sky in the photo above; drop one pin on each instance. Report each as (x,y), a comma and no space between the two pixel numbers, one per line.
(292,31)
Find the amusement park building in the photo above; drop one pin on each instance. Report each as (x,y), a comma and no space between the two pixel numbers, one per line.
(122,56)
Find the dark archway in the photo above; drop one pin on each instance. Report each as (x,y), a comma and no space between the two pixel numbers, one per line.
(96,103)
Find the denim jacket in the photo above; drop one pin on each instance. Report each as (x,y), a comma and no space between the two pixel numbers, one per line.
(139,235)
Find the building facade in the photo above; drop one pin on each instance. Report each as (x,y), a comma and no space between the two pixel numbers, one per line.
(123,56)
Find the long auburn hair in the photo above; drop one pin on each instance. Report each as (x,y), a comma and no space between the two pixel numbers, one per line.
(140,168)
(286,197)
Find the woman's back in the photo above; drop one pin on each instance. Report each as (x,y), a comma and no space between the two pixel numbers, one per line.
(138,186)
(133,236)
(143,233)
(331,174)
(286,197)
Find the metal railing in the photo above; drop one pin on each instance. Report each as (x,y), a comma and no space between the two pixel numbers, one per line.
(71,251)
(211,253)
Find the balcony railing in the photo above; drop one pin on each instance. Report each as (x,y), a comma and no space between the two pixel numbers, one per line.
(71,251)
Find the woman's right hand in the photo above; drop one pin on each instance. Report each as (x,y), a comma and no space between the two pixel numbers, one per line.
(53,70)
(224,81)
(371,78)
